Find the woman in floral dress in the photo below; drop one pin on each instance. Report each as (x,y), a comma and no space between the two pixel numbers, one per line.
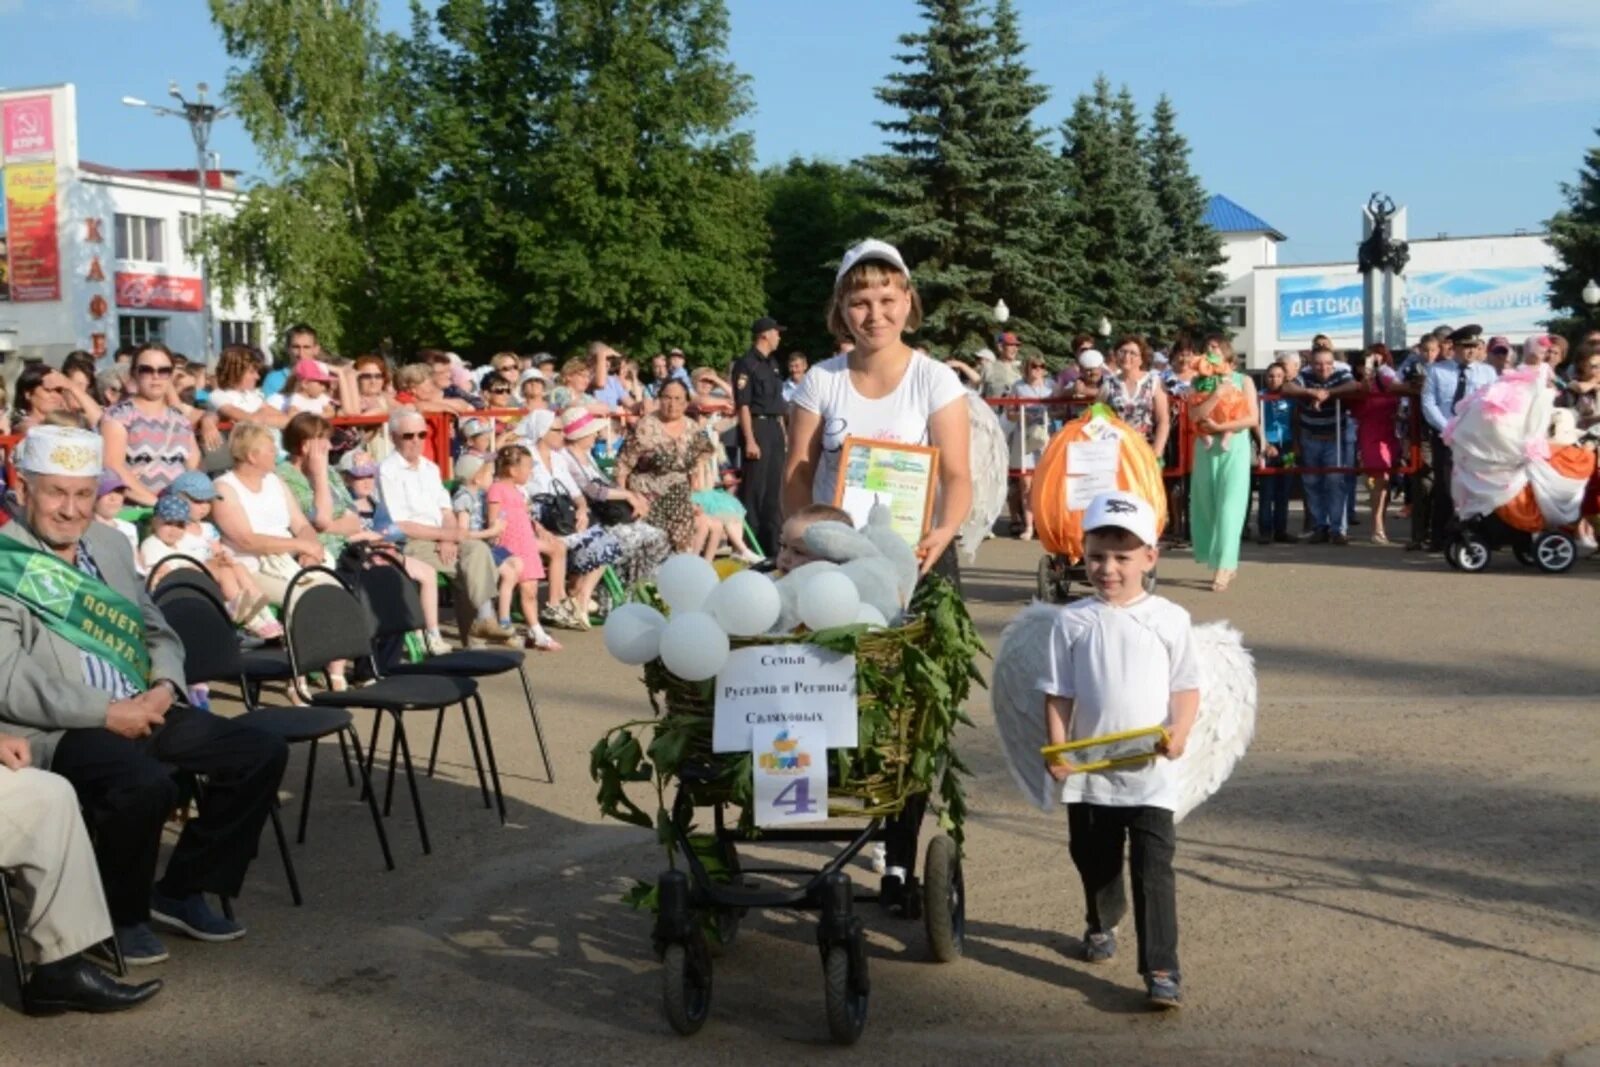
(659,460)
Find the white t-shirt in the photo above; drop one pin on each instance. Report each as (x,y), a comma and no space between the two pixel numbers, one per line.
(412,494)
(298,402)
(1120,666)
(927,386)
(248,401)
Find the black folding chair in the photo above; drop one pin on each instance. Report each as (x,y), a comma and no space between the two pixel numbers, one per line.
(260,665)
(396,608)
(211,653)
(325,623)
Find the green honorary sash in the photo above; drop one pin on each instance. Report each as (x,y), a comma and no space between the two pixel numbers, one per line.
(89,613)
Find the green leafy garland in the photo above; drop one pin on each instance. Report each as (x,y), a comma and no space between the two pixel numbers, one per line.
(920,673)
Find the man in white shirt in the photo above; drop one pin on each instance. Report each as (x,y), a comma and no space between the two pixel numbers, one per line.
(413,491)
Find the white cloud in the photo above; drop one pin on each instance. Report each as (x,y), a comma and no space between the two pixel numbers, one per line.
(1566,24)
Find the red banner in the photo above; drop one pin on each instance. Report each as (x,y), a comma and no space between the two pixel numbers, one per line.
(31,229)
(162,292)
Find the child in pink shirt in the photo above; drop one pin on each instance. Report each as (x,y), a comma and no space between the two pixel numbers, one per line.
(505,499)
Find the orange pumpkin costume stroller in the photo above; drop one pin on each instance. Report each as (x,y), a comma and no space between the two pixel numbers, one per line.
(1077,464)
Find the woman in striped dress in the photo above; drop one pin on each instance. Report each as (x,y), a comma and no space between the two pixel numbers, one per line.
(149,440)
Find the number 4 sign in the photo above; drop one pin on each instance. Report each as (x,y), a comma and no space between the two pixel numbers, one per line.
(790,764)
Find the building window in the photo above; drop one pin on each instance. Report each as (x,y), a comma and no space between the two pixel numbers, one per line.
(139,237)
(188,231)
(1234,311)
(241,333)
(140,330)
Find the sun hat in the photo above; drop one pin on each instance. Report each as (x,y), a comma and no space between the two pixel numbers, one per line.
(110,482)
(194,485)
(871,250)
(530,375)
(358,464)
(577,424)
(1089,359)
(1124,511)
(171,507)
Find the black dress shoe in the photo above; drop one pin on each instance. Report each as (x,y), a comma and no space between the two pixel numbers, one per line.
(75,984)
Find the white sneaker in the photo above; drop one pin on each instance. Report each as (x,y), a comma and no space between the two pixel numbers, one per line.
(437,645)
(880,858)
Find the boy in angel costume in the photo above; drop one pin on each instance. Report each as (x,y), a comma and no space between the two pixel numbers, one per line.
(1122,660)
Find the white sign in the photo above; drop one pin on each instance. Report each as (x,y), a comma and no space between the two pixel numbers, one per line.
(784,685)
(790,766)
(1091,470)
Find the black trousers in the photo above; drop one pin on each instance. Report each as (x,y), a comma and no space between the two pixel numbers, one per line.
(761,482)
(127,791)
(1098,834)
(1442,511)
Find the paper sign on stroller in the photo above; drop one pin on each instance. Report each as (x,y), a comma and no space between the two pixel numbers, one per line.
(785,685)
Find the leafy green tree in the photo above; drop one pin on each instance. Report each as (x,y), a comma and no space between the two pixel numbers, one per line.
(1194,249)
(815,210)
(1575,236)
(315,96)
(932,180)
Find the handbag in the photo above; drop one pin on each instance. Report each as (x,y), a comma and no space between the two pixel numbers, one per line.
(611,512)
(556,510)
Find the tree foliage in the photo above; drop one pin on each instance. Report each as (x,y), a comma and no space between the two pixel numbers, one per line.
(1575,236)
(536,172)
(815,210)
(1194,247)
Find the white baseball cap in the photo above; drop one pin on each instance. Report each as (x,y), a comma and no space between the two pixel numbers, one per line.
(984,355)
(1124,511)
(872,249)
(1089,359)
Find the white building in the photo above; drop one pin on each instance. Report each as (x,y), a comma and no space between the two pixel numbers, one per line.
(96,257)
(1496,281)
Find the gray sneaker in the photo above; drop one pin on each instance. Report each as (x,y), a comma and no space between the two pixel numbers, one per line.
(194,916)
(1163,989)
(1099,947)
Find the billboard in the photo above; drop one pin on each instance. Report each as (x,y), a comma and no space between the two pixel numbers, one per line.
(27,129)
(35,252)
(162,292)
(1508,300)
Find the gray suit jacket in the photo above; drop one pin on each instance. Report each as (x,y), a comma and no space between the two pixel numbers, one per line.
(42,692)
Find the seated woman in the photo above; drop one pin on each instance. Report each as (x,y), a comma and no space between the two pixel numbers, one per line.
(659,459)
(589,548)
(261,523)
(149,441)
(43,391)
(618,510)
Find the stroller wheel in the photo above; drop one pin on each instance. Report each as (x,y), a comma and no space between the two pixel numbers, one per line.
(1468,552)
(1554,552)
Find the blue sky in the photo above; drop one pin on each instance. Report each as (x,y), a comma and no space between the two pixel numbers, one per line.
(1471,112)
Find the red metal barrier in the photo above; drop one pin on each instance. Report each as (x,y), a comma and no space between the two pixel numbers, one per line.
(1412,441)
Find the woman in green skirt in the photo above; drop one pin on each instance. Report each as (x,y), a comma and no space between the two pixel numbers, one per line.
(1222,411)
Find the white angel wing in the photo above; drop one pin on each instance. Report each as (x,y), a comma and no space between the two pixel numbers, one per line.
(1222,731)
(1227,719)
(1019,706)
(990,463)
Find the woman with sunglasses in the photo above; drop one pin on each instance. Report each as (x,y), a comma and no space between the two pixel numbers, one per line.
(149,438)
(373,391)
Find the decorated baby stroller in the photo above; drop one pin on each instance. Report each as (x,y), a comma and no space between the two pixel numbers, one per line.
(1094,453)
(1519,475)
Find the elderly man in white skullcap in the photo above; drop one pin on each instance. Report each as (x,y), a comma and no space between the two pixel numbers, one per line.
(93,679)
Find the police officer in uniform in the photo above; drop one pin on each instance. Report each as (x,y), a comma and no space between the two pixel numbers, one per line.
(758,399)
(1449,381)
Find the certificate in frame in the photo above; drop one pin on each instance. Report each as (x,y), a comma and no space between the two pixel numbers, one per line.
(902,476)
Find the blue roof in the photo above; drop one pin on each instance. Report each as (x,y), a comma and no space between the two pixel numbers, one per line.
(1225,216)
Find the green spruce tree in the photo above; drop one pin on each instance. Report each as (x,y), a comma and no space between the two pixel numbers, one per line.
(1575,236)
(1102,197)
(1145,238)
(932,182)
(1030,266)
(1194,248)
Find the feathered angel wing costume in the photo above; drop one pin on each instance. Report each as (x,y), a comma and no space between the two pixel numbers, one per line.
(990,463)
(1222,731)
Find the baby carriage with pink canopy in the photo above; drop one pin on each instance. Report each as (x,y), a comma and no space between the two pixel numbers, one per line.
(1519,474)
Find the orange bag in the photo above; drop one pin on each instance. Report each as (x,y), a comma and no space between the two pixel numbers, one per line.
(1521,512)
(1061,531)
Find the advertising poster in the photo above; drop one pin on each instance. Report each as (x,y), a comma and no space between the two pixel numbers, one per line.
(1508,300)
(35,252)
(162,292)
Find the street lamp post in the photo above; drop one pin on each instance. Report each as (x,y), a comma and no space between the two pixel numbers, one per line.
(199,114)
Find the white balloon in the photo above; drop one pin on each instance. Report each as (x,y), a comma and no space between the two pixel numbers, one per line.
(693,646)
(829,599)
(807,571)
(633,633)
(871,616)
(746,604)
(685,580)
